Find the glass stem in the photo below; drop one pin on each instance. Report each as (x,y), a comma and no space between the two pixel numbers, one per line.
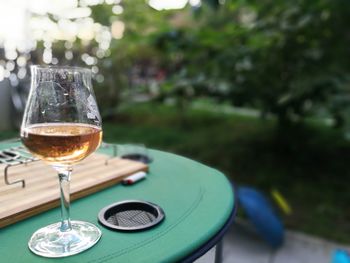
(64,178)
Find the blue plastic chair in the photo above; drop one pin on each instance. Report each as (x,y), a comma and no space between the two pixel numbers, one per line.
(262,215)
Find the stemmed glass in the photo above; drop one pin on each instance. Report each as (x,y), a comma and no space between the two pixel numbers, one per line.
(61,126)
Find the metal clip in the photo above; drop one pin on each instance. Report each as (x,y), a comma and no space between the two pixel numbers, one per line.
(15,156)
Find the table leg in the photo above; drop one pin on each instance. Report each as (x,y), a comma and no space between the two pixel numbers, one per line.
(218,252)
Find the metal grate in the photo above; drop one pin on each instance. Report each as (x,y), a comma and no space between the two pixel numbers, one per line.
(15,155)
(8,156)
(131,218)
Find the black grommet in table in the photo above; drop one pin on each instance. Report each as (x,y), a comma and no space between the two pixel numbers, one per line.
(131,215)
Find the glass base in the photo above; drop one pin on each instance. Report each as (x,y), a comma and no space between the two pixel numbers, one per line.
(50,242)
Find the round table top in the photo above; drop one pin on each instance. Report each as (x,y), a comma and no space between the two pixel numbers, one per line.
(197,201)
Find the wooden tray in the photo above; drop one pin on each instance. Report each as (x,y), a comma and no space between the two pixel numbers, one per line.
(41,192)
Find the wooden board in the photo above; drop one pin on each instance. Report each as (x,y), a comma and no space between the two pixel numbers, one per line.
(41,192)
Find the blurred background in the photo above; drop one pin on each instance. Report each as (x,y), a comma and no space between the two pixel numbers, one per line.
(257,89)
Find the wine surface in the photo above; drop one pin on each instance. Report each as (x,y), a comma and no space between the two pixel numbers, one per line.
(61,143)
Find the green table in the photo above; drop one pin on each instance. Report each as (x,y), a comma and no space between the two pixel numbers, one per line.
(198,202)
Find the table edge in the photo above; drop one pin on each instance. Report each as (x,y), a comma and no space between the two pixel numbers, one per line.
(214,240)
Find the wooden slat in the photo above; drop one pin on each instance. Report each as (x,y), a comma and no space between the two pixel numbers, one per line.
(42,188)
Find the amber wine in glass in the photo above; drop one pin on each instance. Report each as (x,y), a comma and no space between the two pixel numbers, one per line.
(65,143)
(61,126)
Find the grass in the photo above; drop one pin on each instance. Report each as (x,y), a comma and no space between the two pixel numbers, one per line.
(308,163)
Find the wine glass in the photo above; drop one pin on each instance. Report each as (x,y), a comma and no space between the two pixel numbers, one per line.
(61,126)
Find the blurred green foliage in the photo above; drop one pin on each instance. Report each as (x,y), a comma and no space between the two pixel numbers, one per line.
(288,58)
(282,57)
